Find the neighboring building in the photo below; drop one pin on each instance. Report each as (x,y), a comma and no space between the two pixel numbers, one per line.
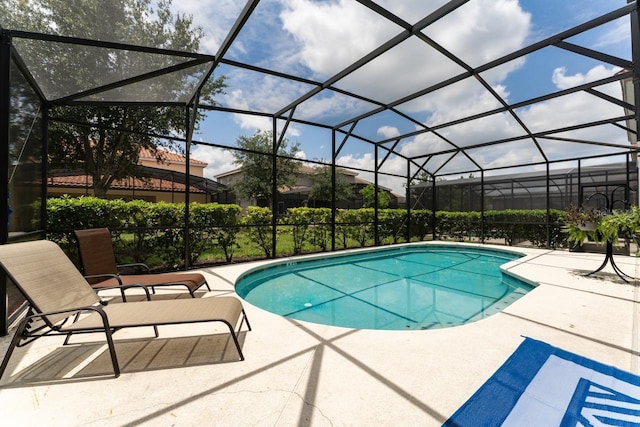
(161,181)
(298,194)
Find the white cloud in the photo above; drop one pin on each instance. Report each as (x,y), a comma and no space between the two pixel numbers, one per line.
(322,107)
(215,18)
(292,130)
(265,93)
(424,143)
(411,10)
(517,152)
(320,27)
(478,31)
(483,30)
(570,109)
(621,32)
(252,122)
(388,131)
(237,99)
(552,114)
(564,81)
(218,160)
(463,99)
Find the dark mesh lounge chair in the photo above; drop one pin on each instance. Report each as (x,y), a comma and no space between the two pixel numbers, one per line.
(101,271)
(57,292)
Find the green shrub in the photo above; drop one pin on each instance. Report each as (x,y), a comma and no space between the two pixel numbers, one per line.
(219,224)
(511,225)
(143,241)
(421,223)
(168,220)
(320,229)
(392,224)
(457,225)
(299,219)
(258,223)
(356,224)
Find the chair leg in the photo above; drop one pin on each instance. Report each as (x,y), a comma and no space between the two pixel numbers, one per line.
(235,340)
(112,352)
(68,337)
(14,343)
(108,332)
(245,319)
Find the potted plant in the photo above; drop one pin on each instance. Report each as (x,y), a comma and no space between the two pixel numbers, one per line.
(582,223)
(619,223)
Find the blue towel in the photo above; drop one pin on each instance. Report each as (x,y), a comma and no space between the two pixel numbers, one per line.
(541,385)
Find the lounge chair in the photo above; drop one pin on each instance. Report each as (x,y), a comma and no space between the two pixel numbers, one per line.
(101,271)
(56,292)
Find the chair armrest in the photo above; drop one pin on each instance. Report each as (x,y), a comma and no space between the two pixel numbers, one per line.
(71,311)
(141,265)
(120,285)
(67,310)
(106,276)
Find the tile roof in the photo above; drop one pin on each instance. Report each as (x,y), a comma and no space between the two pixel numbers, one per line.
(169,157)
(148,184)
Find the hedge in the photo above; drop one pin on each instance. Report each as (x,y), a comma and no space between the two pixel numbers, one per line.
(153,232)
(145,231)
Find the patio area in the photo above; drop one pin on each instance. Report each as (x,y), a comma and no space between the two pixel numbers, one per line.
(298,373)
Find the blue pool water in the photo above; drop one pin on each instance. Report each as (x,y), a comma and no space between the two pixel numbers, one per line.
(402,288)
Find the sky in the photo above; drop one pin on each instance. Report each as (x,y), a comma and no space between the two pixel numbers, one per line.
(315,39)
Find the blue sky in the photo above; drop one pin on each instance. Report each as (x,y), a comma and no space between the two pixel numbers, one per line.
(316,39)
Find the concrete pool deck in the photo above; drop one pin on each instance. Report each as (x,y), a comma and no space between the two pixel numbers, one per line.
(300,374)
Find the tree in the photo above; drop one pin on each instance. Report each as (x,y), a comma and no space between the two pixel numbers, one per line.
(105,141)
(368,197)
(322,189)
(256,161)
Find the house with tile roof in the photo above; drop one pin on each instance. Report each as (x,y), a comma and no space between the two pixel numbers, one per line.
(162,178)
(298,194)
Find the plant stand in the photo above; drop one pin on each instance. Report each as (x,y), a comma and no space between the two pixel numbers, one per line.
(609,258)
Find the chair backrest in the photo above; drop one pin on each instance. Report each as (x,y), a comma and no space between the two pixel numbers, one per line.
(96,252)
(46,277)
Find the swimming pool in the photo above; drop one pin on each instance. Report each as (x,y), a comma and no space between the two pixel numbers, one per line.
(401,288)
